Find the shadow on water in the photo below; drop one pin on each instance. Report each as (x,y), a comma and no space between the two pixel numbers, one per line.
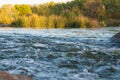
(69,54)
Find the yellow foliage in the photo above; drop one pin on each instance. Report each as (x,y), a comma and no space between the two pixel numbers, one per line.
(43,22)
(52,21)
(87,22)
(51,4)
(61,22)
(82,20)
(34,21)
(7,14)
(25,21)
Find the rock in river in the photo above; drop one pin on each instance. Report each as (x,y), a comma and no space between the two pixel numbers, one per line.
(116,38)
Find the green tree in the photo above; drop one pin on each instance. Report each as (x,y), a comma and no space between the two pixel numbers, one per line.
(112,8)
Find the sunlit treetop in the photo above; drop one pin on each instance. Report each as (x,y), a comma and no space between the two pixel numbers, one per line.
(2,2)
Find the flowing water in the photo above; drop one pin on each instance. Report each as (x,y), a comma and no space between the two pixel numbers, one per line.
(60,54)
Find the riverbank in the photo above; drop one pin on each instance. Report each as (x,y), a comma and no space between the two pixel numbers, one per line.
(73,14)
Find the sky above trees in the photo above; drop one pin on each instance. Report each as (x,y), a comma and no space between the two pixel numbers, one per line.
(2,2)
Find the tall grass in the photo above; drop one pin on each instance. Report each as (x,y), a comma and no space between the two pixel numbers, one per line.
(43,22)
(54,21)
(61,22)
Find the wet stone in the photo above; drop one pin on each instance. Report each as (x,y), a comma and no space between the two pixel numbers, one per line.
(7,76)
(116,38)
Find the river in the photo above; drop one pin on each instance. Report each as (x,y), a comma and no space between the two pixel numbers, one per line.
(60,54)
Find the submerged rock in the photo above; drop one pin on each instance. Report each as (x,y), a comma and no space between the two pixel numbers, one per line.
(116,38)
(7,76)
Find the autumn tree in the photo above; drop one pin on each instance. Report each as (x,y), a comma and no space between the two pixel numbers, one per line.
(94,9)
(23,9)
(7,14)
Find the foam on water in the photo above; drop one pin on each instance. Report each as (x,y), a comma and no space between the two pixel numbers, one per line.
(60,54)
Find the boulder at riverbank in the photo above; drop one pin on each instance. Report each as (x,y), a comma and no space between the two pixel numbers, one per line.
(7,76)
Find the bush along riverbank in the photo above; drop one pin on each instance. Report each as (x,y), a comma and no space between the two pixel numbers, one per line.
(73,14)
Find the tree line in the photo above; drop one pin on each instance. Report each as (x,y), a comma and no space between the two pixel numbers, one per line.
(74,14)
